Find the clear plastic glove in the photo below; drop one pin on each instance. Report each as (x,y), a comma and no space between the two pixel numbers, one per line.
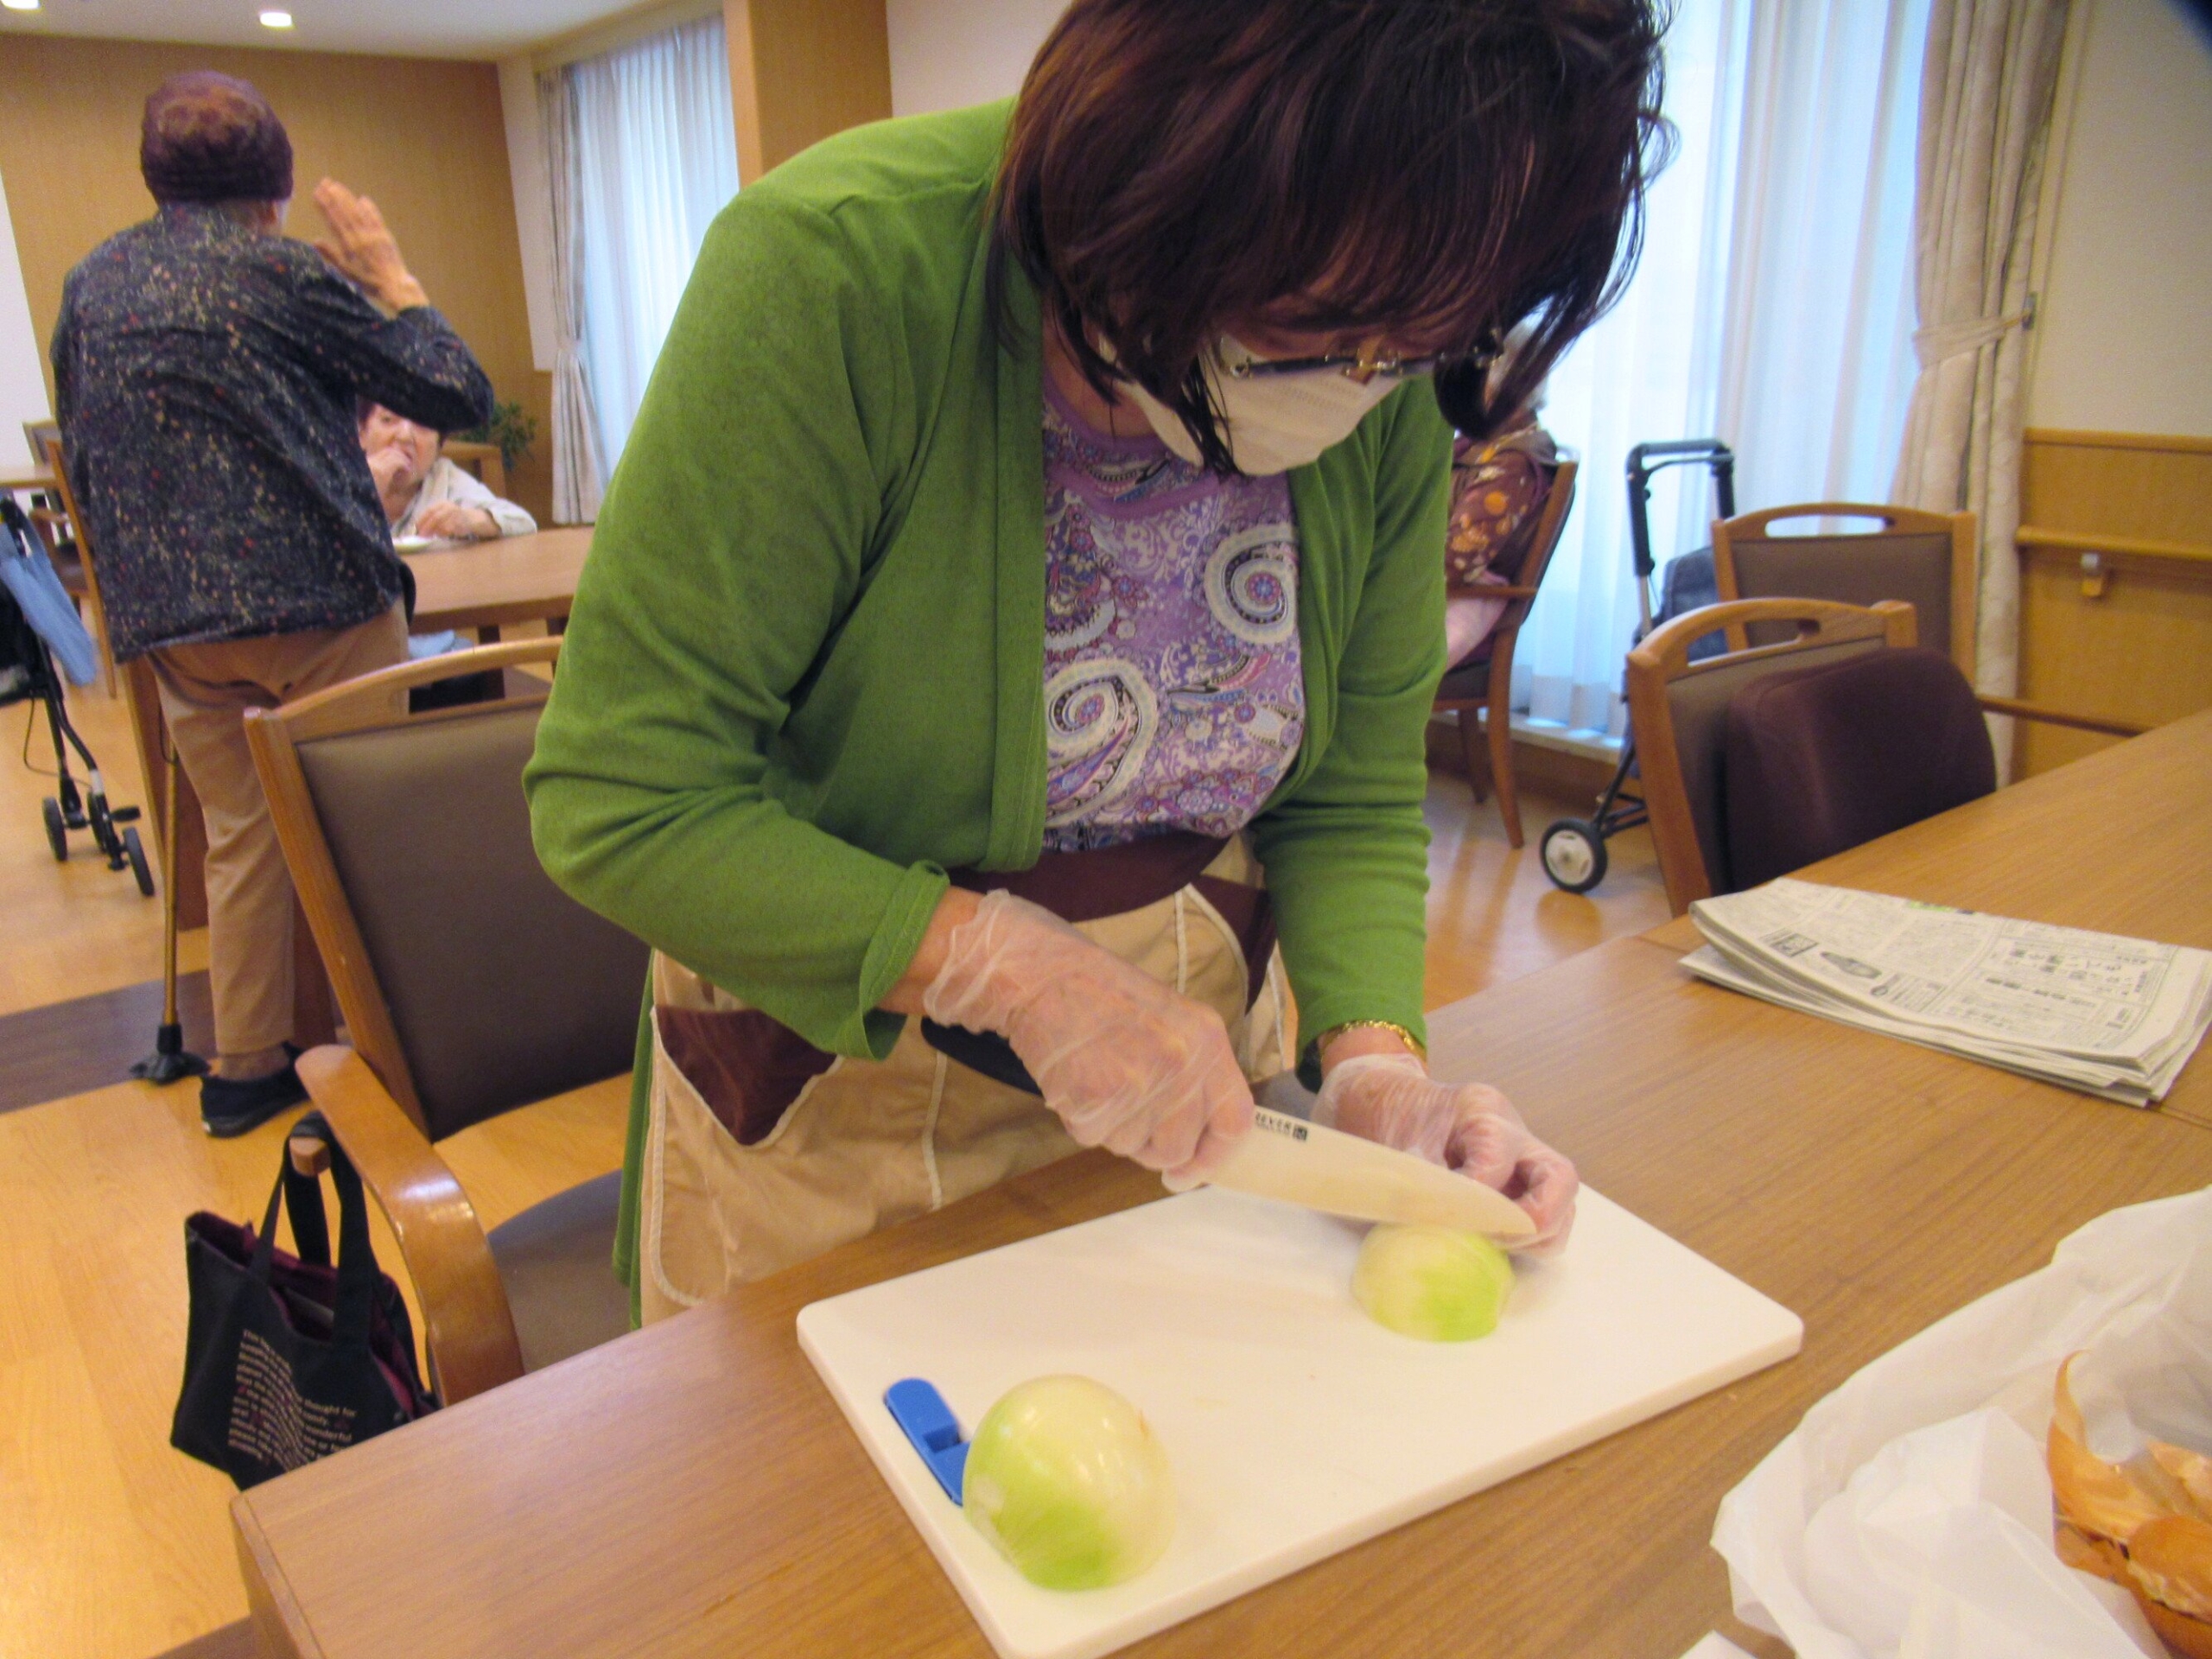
(1127,1063)
(1472,1129)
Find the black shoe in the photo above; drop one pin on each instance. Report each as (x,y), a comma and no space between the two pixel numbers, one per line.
(228,1107)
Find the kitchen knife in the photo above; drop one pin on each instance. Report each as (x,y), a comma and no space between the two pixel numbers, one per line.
(1287,1157)
(1298,1162)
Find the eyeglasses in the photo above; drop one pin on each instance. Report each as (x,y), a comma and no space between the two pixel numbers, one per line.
(1362,365)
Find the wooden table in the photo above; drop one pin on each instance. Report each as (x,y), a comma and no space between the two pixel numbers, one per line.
(488,585)
(692,1489)
(2120,842)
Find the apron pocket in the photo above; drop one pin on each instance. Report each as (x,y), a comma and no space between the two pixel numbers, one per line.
(745,1067)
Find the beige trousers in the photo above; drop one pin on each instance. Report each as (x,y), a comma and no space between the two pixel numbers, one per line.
(206,691)
(865,1144)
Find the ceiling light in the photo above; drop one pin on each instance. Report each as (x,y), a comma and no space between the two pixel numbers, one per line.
(268,19)
(20,5)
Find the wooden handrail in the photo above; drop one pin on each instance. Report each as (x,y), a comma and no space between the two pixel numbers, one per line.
(2105,723)
(2166,443)
(2134,547)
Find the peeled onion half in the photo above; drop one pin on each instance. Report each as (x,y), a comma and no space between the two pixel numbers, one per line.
(1434,1283)
(1067,1479)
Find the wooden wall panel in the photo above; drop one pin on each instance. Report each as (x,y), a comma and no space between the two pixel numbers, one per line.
(2142,649)
(801,70)
(424,137)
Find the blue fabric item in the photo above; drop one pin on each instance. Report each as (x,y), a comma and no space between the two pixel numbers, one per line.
(1689,584)
(29,578)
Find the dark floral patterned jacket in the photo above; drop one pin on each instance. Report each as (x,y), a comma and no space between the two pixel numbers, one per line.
(205,378)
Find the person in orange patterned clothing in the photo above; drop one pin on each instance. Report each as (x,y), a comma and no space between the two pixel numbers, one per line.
(1497,495)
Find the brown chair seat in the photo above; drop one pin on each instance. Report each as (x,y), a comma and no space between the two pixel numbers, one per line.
(555,1264)
(1819,759)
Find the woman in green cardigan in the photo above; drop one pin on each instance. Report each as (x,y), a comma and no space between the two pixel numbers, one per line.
(1020,604)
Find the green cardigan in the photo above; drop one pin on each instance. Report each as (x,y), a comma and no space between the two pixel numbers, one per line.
(804,672)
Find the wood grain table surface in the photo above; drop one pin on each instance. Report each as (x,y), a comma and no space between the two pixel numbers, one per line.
(489,585)
(2119,842)
(692,1489)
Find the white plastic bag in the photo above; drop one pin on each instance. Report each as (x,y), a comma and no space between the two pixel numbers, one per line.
(1910,1513)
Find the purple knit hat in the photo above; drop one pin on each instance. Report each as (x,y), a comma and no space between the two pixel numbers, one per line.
(210,137)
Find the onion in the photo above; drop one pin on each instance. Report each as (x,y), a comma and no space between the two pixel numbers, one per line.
(1066,1478)
(1435,1283)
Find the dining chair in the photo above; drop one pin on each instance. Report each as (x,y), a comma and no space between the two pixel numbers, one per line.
(470,985)
(1929,560)
(485,459)
(1831,730)
(62,525)
(1484,684)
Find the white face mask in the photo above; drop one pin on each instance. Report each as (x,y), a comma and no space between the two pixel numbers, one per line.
(1273,422)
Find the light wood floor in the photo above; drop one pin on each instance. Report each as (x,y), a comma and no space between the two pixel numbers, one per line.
(77,928)
(112,1546)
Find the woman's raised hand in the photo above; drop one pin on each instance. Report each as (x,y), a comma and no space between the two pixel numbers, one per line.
(1471,1128)
(362,248)
(1127,1063)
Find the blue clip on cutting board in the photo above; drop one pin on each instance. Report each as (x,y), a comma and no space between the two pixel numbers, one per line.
(921,1414)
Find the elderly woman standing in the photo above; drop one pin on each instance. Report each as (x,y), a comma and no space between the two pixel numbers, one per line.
(206,373)
(1018,606)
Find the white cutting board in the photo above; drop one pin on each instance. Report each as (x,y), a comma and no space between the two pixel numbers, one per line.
(1295,1426)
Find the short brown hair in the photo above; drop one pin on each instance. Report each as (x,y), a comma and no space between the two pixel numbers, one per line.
(1439,169)
(211,137)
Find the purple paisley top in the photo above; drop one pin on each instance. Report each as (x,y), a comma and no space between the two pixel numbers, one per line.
(1173,693)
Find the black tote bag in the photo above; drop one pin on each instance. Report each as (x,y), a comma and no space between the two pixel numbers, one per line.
(289,1358)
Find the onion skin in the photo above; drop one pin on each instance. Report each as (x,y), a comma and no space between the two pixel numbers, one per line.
(1434,1284)
(1068,1481)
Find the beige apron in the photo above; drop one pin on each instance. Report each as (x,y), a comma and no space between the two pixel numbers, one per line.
(763,1151)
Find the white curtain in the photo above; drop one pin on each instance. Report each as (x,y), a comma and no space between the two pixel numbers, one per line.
(656,149)
(1991,70)
(577,476)
(1816,362)
(1644,373)
(1770,310)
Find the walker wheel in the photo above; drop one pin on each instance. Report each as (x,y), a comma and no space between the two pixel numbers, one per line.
(1574,855)
(133,850)
(57,830)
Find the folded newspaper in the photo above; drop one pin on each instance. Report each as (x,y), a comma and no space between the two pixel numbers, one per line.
(2113,1016)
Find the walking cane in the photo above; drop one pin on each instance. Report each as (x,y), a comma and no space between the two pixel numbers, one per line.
(169,1061)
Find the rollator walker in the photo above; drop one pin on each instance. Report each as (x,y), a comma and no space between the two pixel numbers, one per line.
(1574,849)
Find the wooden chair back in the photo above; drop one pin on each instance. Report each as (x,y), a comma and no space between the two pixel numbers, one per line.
(37,435)
(1487,682)
(470,983)
(482,459)
(1543,541)
(1679,709)
(73,523)
(1925,559)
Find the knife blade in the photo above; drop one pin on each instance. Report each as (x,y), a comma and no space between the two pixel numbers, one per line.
(1288,1158)
(1297,1162)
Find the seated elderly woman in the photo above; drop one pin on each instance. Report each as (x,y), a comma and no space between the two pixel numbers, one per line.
(425,494)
